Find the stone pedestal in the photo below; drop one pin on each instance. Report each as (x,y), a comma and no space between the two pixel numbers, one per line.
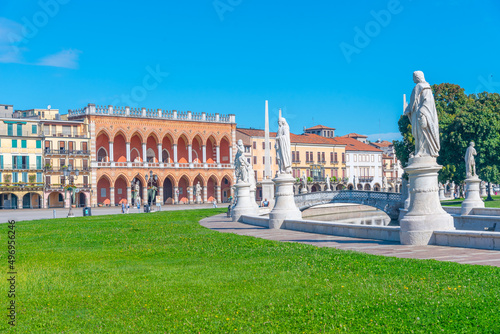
(243,202)
(268,191)
(425,213)
(472,198)
(484,193)
(303,190)
(252,199)
(442,197)
(285,207)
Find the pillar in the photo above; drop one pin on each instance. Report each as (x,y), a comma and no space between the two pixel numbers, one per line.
(176,195)
(190,194)
(129,196)
(205,194)
(111,151)
(472,198)
(190,155)
(160,194)
(127,147)
(112,196)
(204,153)
(145,194)
(144,156)
(176,163)
(218,194)
(230,154)
(20,201)
(217,148)
(160,152)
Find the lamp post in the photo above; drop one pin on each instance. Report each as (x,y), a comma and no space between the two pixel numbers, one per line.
(70,174)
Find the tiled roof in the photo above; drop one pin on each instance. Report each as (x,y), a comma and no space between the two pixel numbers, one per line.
(384,143)
(320,127)
(352,144)
(307,138)
(354,135)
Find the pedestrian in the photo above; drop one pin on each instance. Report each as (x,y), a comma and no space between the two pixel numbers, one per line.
(123,207)
(128,207)
(214,204)
(229,210)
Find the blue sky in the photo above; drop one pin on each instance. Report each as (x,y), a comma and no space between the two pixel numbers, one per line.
(229,56)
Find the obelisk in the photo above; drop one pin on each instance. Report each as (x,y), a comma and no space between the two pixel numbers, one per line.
(267,183)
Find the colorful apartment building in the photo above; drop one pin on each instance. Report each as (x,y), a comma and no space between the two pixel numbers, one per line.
(21,169)
(179,149)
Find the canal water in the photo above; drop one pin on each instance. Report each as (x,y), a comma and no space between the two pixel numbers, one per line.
(349,214)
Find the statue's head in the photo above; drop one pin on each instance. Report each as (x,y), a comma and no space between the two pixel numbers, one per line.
(418,77)
(472,144)
(240,142)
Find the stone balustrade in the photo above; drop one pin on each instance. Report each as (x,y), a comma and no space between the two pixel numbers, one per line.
(92,109)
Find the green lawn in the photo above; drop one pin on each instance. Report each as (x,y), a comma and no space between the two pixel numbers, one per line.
(164,273)
(489,204)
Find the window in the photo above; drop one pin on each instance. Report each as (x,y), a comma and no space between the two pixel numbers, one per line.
(297,156)
(47,146)
(355,157)
(254,160)
(62,162)
(10,131)
(61,199)
(38,144)
(39,177)
(85,163)
(85,181)
(23,143)
(373,158)
(1,161)
(319,156)
(19,129)
(25,177)
(14,143)
(70,146)
(84,146)
(264,160)
(47,180)
(33,129)
(323,156)
(71,163)
(46,130)
(343,157)
(254,145)
(331,157)
(38,162)
(263,145)
(15,177)
(336,158)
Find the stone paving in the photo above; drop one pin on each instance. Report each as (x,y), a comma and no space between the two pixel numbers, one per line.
(223,224)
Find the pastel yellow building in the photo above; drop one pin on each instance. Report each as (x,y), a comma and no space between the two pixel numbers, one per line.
(21,170)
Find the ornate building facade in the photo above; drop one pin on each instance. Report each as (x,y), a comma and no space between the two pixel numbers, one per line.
(179,149)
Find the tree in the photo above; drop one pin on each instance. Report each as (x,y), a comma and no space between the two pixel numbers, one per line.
(462,119)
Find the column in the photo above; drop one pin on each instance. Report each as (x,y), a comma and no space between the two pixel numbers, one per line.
(218,194)
(230,154)
(190,197)
(176,163)
(112,196)
(160,153)
(205,194)
(127,147)
(217,148)
(176,196)
(145,194)
(204,153)
(144,156)
(160,194)
(20,202)
(129,196)
(190,156)
(111,151)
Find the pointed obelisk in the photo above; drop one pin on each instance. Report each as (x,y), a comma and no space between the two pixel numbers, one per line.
(267,183)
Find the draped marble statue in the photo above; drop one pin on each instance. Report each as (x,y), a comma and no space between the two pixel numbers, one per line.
(303,179)
(423,118)
(283,148)
(470,164)
(240,163)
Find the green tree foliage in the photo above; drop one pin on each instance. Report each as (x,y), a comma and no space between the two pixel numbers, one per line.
(462,119)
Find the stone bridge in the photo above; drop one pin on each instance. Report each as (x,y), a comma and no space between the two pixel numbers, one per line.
(390,203)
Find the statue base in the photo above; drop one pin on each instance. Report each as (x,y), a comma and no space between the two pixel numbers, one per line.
(484,193)
(268,191)
(303,190)
(243,202)
(252,200)
(442,197)
(425,214)
(472,199)
(285,207)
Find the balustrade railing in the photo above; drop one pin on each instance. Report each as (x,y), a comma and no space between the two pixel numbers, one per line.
(156,165)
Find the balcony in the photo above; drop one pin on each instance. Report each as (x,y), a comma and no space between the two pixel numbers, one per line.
(365,179)
(20,186)
(22,167)
(60,187)
(66,152)
(194,165)
(47,169)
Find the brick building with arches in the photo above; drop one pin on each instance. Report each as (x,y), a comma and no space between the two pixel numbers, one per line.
(180,149)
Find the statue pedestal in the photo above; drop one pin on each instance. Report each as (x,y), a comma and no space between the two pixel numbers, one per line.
(472,199)
(252,200)
(285,207)
(442,197)
(484,193)
(243,203)
(268,191)
(425,213)
(303,190)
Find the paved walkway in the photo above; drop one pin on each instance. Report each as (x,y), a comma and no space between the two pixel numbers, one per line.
(377,247)
(34,214)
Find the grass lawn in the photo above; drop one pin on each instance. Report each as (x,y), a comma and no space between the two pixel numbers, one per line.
(164,273)
(489,204)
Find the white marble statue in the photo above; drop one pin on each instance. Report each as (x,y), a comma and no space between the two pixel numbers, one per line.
(328,186)
(283,148)
(197,190)
(470,164)
(240,163)
(303,179)
(384,183)
(251,178)
(423,118)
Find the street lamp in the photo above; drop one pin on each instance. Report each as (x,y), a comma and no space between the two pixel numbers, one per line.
(67,172)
